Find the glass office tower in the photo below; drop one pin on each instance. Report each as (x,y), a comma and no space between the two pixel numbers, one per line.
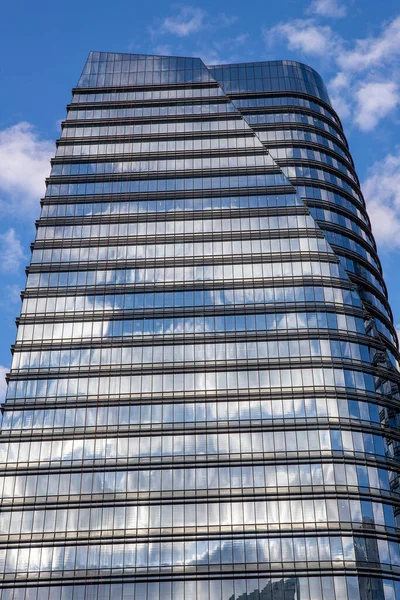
(204,396)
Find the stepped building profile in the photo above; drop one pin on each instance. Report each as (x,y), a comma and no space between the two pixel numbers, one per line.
(204,400)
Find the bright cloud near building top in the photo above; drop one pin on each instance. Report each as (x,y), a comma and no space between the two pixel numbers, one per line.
(11,251)
(303,35)
(364,86)
(382,193)
(188,20)
(374,100)
(24,165)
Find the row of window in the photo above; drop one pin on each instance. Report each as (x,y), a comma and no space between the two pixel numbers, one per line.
(331,216)
(247,515)
(274,478)
(283,84)
(188,353)
(145,129)
(176,227)
(199,273)
(275,101)
(165,185)
(135,112)
(191,413)
(135,78)
(106,62)
(259,551)
(300,135)
(304,153)
(318,587)
(113,62)
(117,207)
(191,298)
(312,193)
(200,382)
(179,164)
(79,450)
(147,95)
(149,252)
(381,327)
(256,120)
(372,299)
(267,69)
(90,209)
(231,249)
(168,326)
(190,274)
(188,249)
(354,266)
(203,92)
(200,248)
(293,172)
(173,145)
(376,302)
(109,62)
(345,242)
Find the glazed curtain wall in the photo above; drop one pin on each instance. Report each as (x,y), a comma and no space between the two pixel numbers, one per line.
(203,400)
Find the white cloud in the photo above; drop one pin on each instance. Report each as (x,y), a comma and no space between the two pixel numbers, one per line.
(328,8)
(163,50)
(224,50)
(374,101)
(371,51)
(24,165)
(12,294)
(211,56)
(11,252)
(3,384)
(339,100)
(382,193)
(189,19)
(303,35)
(224,20)
(363,88)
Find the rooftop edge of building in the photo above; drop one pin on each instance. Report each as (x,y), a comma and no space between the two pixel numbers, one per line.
(269,76)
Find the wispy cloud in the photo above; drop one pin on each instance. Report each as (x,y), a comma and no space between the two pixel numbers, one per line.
(382,193)
(163,50)
(328,8)
(11,252)
(190,31)
(12,294)
(189,19)
(364,86)
(303,35)
(24,164)
(224,50)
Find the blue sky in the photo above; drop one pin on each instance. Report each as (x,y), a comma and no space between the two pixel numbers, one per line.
(354,44)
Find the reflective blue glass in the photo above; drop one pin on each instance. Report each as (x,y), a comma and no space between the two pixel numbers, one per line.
(203,400)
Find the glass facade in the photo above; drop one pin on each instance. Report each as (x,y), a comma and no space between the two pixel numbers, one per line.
(204,395)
